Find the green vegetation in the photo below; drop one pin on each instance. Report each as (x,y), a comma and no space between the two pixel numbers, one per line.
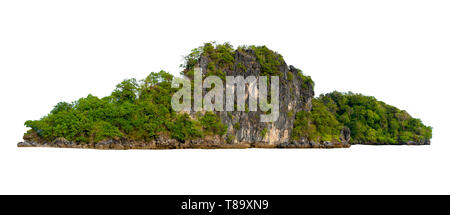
(230,138)
(319,124)
(183,128)
(230,115)
(307,80)
(290,114)
(134,110)
(221,58)
(270,61)
(212,125)
(369,120)
(290,76)
(241,67)
(264,133)
(141,110)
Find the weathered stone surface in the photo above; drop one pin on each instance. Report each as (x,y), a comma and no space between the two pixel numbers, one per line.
(295,95)
(345,135)
(163,142)
(25,144)
(312,144)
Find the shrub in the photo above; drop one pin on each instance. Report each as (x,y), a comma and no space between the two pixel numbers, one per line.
(269,60)
(230,138)
(264,133)
(183,128)
(290,77)
(319,124)
(211,124)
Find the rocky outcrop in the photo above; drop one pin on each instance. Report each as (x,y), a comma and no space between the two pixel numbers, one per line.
(295,95)
(244,129)
(312,144)
(211,142)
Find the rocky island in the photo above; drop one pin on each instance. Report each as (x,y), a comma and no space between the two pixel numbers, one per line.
(138,114)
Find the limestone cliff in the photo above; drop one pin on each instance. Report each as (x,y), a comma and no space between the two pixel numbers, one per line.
(295,92)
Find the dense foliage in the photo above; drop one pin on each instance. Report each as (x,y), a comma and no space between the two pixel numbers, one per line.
(221,57)
(319,124)
(141,110)
(369,120)
(269,60)
(134,110)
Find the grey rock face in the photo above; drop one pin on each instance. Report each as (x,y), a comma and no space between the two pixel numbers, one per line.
(312,144)
(26,144)
(295,95)
(345,135)
(62,143)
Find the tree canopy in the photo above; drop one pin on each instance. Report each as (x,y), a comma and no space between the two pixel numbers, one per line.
(137,110)
(369,120)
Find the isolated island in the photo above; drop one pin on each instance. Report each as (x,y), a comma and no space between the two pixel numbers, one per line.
(139,115)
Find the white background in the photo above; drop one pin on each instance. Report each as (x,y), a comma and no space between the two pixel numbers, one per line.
(51,51)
